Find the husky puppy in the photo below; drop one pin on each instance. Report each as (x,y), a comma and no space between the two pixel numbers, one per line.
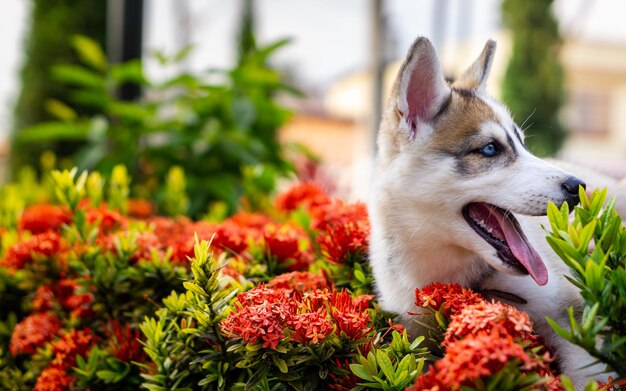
(456,197)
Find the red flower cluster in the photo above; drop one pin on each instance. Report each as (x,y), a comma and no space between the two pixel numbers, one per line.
(179,234)
(338,212)
(70,346)
(270,315)
(53,379)
(63,292)
(255,222)
(345,230)
(43,217)
(310,327)
(351,314)
(283,243)
(612,384)
(485,316)
(339,241)
(33,332)
(65,350)
(47,244)
(307,195)
(481,338)
(124,342)
(470,359)
(299,282)
(107,220)
(140,209)
(453,296)
(260,317)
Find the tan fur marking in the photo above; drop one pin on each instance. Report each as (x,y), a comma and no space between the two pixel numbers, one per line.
(457,134)
(460,123)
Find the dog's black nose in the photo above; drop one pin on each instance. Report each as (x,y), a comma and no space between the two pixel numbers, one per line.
(570,189)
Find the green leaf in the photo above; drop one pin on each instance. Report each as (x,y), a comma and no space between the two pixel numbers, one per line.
(585,237)
(90,52)
(190,286)
(60,110)
(129,72)
(385,364)
(280,364)
(359,371)
(53,131)
(564,333)
(554,216)
(78,76)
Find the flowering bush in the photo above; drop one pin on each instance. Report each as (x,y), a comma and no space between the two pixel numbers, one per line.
(96,292)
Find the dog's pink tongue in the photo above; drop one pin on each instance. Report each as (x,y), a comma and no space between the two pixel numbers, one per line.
(522,250)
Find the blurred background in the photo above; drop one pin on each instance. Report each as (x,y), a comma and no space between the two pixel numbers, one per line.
(243,94)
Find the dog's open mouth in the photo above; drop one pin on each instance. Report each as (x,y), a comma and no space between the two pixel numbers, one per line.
(500,229)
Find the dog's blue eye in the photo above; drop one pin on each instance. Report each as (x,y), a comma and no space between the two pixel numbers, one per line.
(489,150)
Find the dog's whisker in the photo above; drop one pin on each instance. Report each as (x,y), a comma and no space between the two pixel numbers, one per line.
(526,120)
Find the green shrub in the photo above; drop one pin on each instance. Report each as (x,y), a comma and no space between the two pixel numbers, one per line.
(219,126)
(593,245)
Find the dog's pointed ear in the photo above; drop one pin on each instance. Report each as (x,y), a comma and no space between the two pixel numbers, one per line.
(420,88)
(475,77)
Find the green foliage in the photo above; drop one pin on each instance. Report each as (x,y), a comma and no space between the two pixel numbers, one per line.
(67,190)
(533,82)
(119,188)
(593,245)
(176,202)
(52,24)
(393,367)
(99,370)
(218,126)
(184,342)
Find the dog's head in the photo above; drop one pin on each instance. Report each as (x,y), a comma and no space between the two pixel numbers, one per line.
(452,150)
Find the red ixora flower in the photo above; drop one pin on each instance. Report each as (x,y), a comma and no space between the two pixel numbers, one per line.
(270,315)
(33,332)
(339,213)
(106,219)
(229,237)
(341,240)
(253,221)
(44,217)
(350,314)
(53,379)
(140,209)
(485,316)
(123,342)
(259,323)
(180,233)
(453,295)
(71,345)
(307,195)
(283,242)
(310,327)
(63,292)
(472,358)
(22,253)
(299,281)
(612,384)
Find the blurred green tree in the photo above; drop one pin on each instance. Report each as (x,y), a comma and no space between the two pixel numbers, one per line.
(52,23)
(533,85)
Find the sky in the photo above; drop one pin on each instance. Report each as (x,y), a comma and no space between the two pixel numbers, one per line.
(330,37)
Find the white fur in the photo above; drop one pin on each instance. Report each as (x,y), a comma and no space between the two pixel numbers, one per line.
(419,235)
